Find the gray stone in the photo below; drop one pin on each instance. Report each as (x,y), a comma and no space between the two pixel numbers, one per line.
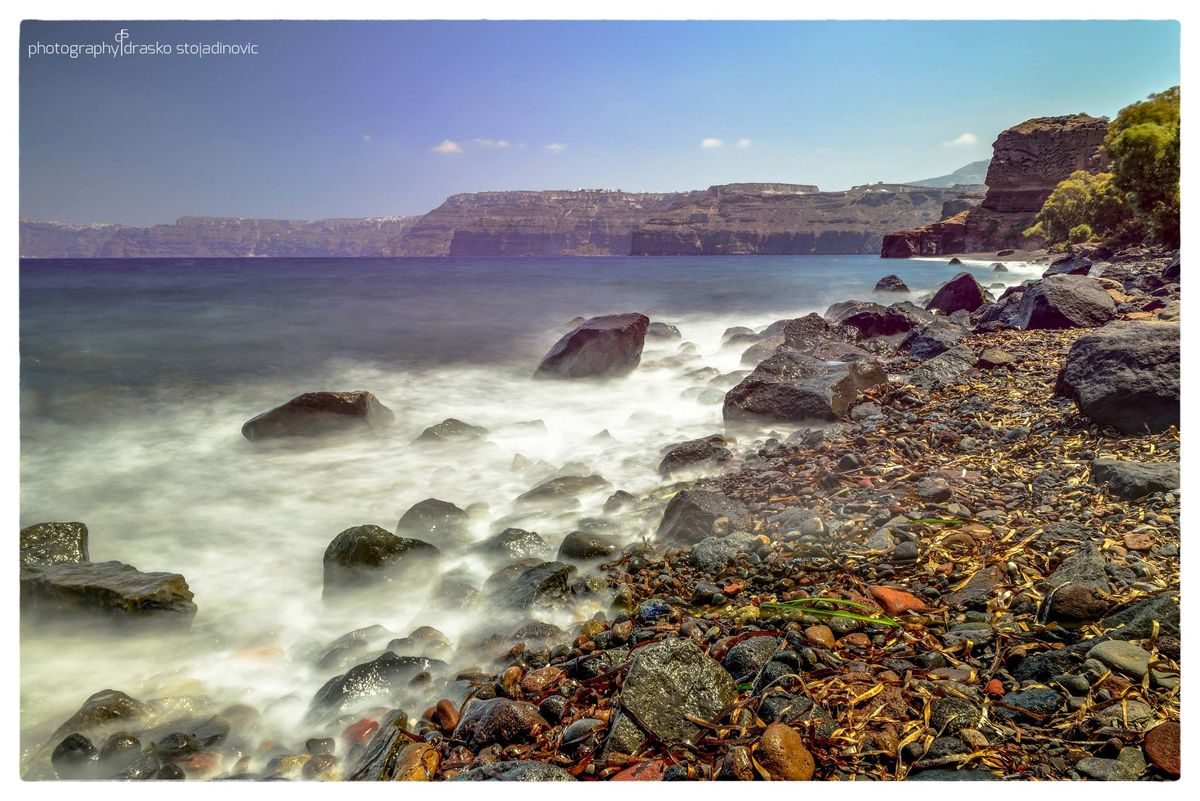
(1065,301)
(1131,480)
(1122,657)
(690,515)
(316,414)
(598,348)
(713,553)
(945,368)
(517,770)
(368,555)
(452,430)
(54,543)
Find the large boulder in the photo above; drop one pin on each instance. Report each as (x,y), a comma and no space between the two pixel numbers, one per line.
(938,337)
(874,320)
(599,347)
(453,430)
(583,546)
(667,684)
(1064,301)
(561,492)
(431,519)
(315,414)
(962,292)
(515,543)
(664,332)
(945,368)
(1126,375)
(690,515)
(891,283)
(1131,480)
(111,590)
(365,556)
(695,454)
(539,585)
(792,388)
(54,543)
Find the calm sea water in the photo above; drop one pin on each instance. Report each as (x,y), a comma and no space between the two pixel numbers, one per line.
(136,377)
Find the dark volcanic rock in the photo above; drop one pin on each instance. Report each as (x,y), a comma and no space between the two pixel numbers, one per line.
(54,543)
(318,414)
(538,585)
(890,283)
(763,349)
(74,758)
(431,519)
(378,682)
(367,555)
(112,589)
(1126,375)
(497,721)
(516,543)
(694,454)
(601,346)
(873,320)
(668,682)
(962,292)
(585,545)
(1132,480)
(690,515)
(713,553)
(561,492)
(452,430)
(936,338)
(745,659)
(1064,301)
(790,387)
(663,332)
(517,770)
(944,368)
(381,757)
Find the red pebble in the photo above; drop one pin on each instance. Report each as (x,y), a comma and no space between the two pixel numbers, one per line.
(995,688)
(645,772)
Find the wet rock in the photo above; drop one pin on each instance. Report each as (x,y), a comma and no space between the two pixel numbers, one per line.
(1131,480)
(434,521)
(1122,657)
(516,543)
(517,770)
(663,332)
(1065,301)
(380,760)
(1126,375)
(46,544)
(1139,621)
(737,335)
(872,320)
(561,492)
(951,715)
(119,753)
(110,590)
(713,553)
(695,454)
(600,347)
(896,602)
(934,489)
(1075,603)
(1128,766)
(619,501)
(320,745)
(692,515)
(497,721)
(368,555)
(74,758)
(890,283)
(315,414)
(945,368)
(997,267)
(667,682)
(791,387)
(951,775)
(782,753)
(538,585)
(377,682)
(452,430)
(763,349)
(962,292)
(584,546)
(1162,747)
(744,660)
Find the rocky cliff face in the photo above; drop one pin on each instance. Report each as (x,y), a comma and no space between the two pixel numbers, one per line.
(782,219)
(1028,161)
(217,237)
(567,223)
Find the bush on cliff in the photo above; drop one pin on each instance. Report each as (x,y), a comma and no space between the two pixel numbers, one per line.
(1143,144)
(1081,204)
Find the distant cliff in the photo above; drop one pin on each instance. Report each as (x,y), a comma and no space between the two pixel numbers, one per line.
(589,222)
(1028,161)
(783,219)
(216,236)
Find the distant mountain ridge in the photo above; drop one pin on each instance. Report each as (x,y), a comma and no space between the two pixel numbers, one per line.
(974,174)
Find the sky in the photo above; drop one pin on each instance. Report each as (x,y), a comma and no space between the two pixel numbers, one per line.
(359,119)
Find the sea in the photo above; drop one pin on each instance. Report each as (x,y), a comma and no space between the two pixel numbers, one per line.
(137,375)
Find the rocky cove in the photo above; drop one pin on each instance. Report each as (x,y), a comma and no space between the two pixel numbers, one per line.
(910,526)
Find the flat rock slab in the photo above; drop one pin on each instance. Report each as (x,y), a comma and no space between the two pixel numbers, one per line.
(1131,480)
(1122,657)
(112,589)
(317,414)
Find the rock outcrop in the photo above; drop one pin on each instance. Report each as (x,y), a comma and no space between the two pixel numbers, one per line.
(786,219)
(316,414)
(109,590)
(793,388)
(1028,161)
(600,347)
(1064,301)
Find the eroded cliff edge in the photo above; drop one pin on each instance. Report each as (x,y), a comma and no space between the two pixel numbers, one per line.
(1028,161)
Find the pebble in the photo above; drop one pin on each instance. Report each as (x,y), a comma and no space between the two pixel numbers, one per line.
(1122,657)
(782,753)
(1162,747)
(894,601)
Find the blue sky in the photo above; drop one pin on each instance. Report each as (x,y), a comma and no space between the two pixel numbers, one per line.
(377,118)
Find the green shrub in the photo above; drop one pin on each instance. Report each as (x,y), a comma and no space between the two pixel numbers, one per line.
(1080,233)
(1143,145)
(1082,199)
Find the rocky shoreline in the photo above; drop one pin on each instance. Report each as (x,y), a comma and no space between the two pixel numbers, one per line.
(961,564)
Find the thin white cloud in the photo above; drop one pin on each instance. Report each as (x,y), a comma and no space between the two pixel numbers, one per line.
(366,137)
(493,143)
(447,146)
(966,139)
(556,147)
(743,143)
(709,143)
